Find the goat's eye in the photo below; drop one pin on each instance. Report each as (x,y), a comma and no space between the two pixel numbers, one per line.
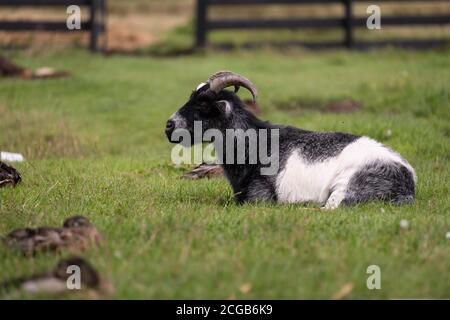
(205,108)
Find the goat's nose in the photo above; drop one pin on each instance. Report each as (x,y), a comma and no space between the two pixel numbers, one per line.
(170,126)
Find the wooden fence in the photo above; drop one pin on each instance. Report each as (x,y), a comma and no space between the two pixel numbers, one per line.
(95,25)
(347,23)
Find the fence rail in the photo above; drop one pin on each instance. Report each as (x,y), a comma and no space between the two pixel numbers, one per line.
(348,22)
(95,25)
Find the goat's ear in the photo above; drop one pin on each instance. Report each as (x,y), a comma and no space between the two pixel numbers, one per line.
(225,107)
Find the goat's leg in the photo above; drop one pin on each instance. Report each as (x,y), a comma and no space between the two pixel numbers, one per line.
(335,199)
(338,191)
(259,191)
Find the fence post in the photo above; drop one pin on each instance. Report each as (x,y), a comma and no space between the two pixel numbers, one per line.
(201,23)
(95,28)
(104,24)
(349,41)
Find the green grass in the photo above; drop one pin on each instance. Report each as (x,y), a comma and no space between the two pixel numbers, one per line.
(95,146)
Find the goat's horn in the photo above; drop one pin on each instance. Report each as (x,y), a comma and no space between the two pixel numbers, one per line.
(225,79)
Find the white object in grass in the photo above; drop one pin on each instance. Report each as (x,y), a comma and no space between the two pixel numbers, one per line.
(404,224)
(447,235)
(11,157)
(388,133)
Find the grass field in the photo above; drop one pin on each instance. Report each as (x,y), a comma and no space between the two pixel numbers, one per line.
(95,146)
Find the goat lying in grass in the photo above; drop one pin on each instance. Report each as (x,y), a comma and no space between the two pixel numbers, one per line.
(329,168)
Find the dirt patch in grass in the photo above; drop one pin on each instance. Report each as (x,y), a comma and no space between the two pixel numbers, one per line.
(37,135)
(299,105)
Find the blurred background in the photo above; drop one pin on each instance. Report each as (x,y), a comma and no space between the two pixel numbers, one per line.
(169,26)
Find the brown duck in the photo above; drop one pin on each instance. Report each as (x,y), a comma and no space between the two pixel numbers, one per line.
(10,69)
(8,175)
(55,282)
(76,234)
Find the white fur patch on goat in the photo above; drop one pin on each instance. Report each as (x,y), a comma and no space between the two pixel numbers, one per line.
(200,86)
(302,181)
(180,122)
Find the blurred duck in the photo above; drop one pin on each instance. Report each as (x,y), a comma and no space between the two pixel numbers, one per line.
(8,175)
(204,170)
(10,69)
(76,234)
(56,282)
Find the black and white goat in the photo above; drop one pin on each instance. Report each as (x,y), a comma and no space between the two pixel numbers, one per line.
(329,168)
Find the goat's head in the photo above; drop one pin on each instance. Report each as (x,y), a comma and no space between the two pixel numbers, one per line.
(215,107)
